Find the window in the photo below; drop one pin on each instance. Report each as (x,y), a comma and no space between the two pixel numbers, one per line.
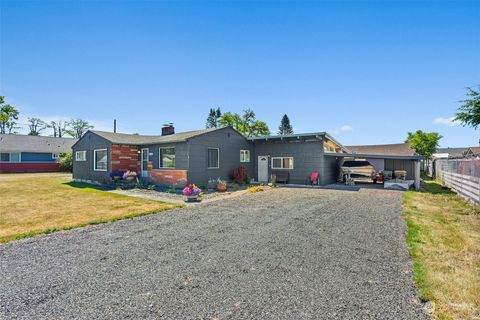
(54,155)
(244,155)
(81,156)
(213,158)
(282,162)
(5,157)
(100,160)
(167,158)
(15,157)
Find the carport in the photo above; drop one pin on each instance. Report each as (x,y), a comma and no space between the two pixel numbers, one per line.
(411,164)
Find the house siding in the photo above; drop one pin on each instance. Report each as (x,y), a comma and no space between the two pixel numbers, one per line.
(229,142)
(37,157)
(181,155)
(330,170)
(307,157)
(408,165)
(83,170)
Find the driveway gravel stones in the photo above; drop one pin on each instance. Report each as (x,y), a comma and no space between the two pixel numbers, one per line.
(280,254)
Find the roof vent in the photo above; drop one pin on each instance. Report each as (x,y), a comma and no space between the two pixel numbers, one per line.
(168,129)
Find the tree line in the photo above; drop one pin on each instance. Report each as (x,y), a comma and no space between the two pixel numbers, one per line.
(9,124)
(246,123)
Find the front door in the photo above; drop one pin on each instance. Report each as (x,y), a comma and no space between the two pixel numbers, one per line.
(144,162)
(262,168)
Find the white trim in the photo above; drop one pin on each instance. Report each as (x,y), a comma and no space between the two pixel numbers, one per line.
(218,150)
(142,171)
(95,160)
(281,158)
(84,158)
(245,152)
(160,157)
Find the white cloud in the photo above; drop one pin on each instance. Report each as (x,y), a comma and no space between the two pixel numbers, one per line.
(446,121)
(344,128)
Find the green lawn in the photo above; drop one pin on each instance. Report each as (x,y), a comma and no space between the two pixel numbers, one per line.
(34,203)
(444,240)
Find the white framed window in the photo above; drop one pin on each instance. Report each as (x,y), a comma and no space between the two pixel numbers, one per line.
(282,162)
(55,156)
(166,157)
(213,158)
(100,160)
(81,156)
(244,155)
(4,157)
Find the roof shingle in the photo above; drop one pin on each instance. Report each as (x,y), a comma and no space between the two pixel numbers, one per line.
(24,143)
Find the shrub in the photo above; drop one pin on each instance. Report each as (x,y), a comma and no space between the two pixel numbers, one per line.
(66,161)
(240,175)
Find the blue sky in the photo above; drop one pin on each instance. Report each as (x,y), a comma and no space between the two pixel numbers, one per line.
(367,72)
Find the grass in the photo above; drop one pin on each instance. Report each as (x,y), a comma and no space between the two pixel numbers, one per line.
(34,204)
(444,240)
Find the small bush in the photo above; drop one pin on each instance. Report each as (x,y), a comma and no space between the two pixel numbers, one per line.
(66,161)
(240,176)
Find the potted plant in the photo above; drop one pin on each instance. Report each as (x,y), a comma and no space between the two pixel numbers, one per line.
(130,175)
(116,174)
(192,193)
(221,185)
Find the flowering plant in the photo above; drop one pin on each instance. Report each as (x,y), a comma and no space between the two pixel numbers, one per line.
(129,173)
(116,173)
(192,190)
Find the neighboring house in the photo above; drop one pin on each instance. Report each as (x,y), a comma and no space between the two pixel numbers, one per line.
(22,153)
(396,149)
(397,156)
(472,151)
(450,153)
(197,156)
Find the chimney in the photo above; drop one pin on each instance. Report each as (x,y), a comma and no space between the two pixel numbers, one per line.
(114,125)
(168,129)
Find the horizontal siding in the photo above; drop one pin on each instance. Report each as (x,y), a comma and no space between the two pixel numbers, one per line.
(307,157)
(84,169)
(181,154)
(37,157)
(230,143)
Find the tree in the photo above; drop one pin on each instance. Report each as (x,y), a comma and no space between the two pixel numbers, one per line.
(469,113)
(285,126)
(8,117)
(247,124)
(424,143)
(59,128)
(36,126)
(66,161)
(77,127)
(213,116)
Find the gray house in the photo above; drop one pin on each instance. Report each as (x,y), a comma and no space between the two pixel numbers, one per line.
(197,156)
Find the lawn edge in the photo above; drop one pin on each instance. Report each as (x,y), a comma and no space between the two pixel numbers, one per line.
(33,233)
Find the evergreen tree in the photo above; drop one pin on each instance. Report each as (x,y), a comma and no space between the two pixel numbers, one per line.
(285,126)
(213,116)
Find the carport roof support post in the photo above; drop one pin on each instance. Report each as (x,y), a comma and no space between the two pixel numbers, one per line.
(417,175)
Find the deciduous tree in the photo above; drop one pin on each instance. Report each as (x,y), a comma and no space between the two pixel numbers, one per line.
(8,117)
(77,127)
(469,112)
(36,126)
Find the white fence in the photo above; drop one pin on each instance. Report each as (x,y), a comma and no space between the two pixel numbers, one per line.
(461,175)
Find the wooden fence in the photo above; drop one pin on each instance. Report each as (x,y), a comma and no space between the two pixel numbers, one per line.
(461,175)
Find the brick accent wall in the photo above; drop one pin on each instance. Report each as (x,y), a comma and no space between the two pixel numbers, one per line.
(168,176)
(125,157)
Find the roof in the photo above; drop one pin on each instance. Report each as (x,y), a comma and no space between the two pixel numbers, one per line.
(453,152)
(375,156)
(474,150)
(396,149)
(24,143)
(136,139)
(298,135)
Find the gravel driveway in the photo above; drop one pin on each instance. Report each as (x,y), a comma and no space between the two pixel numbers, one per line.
(281,254)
